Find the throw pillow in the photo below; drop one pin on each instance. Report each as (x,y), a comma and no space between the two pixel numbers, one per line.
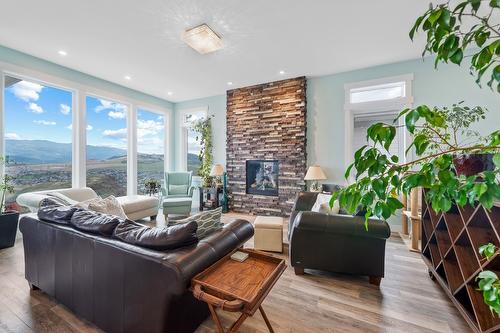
(94,222)
(322,205)
(166,238)
(324,208)
(85,204)
(177,189)
(109,205)
(65,200)
(52,211)
(208,222)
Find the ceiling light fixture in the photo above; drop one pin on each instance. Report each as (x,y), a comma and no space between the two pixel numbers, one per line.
(127,77)
(282,72)
(203,39)
(62,53)
(229,83)
(170,93)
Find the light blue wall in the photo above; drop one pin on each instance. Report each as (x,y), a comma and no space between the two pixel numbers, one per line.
(27,61)
(325,106)
(216,108)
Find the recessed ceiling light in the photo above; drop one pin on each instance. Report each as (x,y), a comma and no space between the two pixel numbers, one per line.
(170,93)
(127,77)
(203,39)
(229,83)
(62,53)
(282,72)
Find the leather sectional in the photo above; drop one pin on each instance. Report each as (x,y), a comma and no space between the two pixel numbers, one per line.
(122,287)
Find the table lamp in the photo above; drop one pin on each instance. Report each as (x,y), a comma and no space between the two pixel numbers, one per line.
(314,173)
(218,171)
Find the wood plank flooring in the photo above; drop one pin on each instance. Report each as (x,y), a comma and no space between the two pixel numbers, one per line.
(407,301)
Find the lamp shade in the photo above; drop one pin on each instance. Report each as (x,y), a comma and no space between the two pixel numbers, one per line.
(217,170)
(315,173)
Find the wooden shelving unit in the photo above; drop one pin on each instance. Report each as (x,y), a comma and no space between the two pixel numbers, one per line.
(450,245)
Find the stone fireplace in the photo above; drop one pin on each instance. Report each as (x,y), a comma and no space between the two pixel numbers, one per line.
(266,146)
(262,177)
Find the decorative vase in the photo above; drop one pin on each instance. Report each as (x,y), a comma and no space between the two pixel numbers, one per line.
(8,228)
(472,164)
(225,199)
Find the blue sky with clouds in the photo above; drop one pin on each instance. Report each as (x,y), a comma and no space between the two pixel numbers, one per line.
(36,112)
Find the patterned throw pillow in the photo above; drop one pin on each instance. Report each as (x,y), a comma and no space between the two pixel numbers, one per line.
(208,222)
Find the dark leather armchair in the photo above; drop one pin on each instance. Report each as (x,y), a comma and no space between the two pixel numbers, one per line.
(336,243)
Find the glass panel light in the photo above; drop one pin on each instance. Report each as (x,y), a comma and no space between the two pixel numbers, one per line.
(203,39)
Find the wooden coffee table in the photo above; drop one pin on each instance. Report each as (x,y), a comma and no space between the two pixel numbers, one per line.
(238,286)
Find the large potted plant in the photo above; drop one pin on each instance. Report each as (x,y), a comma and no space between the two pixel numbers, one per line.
(8,219)
(452,170)
(203,127)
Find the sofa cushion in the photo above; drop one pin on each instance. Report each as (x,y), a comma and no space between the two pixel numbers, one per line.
(136,203)
(109,206)
(52,211)
(94,222)
(208,222)
(164,238)
(177,189)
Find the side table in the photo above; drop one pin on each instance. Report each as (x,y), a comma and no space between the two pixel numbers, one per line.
(238,286)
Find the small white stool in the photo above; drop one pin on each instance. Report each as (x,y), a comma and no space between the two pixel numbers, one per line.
(268,233)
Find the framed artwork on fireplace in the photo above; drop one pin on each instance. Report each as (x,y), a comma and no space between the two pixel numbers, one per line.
(262,177)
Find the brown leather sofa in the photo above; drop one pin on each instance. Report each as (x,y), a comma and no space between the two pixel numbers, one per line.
(121,287)
(336,243)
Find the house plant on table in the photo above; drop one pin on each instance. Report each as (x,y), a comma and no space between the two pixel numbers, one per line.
(8,219)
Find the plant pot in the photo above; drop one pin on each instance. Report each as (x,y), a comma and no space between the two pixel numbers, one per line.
(472,164)
(8,228)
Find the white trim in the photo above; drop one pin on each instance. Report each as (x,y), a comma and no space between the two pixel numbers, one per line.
(373,108)
(79,93)
(182,134)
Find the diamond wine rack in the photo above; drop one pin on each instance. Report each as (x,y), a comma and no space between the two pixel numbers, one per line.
(450,244)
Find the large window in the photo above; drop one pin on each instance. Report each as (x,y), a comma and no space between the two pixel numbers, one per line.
(192,145)
(106,146)
(150,147)
(38,136)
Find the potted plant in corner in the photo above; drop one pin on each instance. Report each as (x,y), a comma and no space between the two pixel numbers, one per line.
(8,218)
(453,172)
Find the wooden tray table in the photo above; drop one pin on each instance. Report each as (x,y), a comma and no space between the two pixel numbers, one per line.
(238,286)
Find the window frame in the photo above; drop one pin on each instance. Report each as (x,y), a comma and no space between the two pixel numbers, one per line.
(79,136)
(183,132)
(166,149)
(373,108)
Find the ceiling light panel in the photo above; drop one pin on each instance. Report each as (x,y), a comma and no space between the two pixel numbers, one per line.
(203,39)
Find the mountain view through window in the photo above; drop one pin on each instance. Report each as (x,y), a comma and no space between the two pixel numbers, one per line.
(38,136)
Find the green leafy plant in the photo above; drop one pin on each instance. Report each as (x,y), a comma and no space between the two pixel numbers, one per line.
(487,281)
(380,179)
(204,129)
(451,30)
(5,187)
(487,250)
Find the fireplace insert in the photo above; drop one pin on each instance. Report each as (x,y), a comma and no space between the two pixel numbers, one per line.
(262,177)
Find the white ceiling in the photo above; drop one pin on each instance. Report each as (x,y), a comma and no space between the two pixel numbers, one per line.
(114,38)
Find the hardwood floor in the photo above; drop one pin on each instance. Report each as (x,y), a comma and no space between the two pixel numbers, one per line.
(407,301)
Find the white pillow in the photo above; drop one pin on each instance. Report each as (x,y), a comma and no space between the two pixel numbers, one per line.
(109,205)
(85,204)
(322,205)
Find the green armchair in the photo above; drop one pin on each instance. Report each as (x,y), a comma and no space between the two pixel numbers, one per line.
(177,193)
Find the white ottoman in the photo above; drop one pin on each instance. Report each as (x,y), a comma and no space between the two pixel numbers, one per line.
(268,233)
